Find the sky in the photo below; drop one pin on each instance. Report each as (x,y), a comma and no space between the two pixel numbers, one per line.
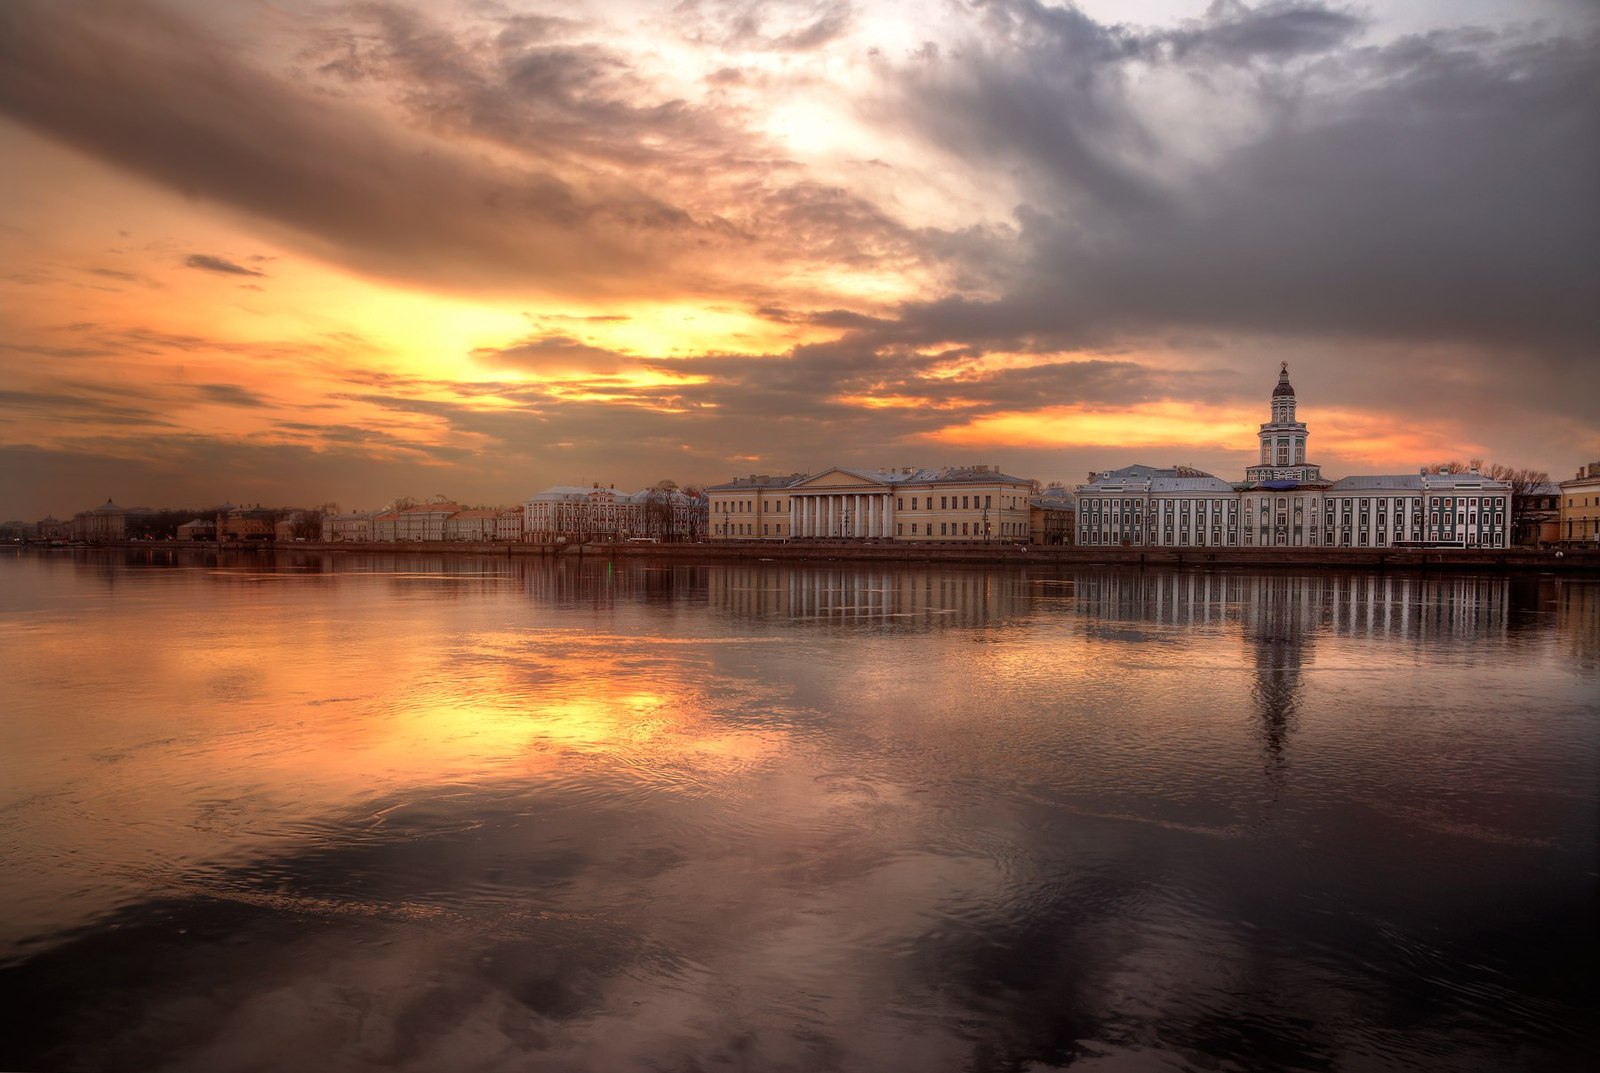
(296,252)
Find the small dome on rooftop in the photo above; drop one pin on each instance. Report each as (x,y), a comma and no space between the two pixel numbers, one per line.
(1284,387)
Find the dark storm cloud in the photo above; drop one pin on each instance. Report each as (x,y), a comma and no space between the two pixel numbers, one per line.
(1438,188)
(1237,34)
(219,264)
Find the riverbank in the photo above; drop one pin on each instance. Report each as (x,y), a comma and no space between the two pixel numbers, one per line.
(1516,560)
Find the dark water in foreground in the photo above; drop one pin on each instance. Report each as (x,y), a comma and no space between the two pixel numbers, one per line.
(430,813)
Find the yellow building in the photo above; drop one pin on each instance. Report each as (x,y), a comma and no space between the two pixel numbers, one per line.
(971,504)
(1580,507)
(751,508)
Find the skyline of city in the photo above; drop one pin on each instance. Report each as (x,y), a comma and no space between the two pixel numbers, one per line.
(263,249)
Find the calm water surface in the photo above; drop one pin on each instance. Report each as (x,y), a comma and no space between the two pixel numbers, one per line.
(437,812)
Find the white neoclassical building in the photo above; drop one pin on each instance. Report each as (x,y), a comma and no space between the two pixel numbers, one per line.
(1285,501)
(969,503)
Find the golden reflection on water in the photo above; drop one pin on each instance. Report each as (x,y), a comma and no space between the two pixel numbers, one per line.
(192,714)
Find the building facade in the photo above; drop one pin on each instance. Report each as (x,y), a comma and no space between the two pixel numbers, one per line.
(751,508)
(972,503)
(1286,502)
(1580,507)
(568,514)
(508,525)
(106,522)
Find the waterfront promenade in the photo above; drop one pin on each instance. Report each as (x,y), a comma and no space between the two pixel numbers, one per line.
(1512,560)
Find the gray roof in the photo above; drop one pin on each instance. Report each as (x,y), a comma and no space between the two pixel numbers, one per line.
(758,481)
(1401,481)
(891,477)
(1190,484)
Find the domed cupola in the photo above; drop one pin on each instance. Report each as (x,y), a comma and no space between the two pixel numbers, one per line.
(1284,387)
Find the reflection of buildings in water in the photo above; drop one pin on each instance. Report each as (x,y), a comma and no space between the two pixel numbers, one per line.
(918,597)
(1578,619)
(592,581)
(1380,606)
(1280,617)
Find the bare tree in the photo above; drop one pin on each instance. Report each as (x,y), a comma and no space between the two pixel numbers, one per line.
(658,506)
(1524,484)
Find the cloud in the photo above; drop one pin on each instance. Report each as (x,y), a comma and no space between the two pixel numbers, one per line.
(764,25)
(1235,33)
(219,264)
(85,405)
(1434,190)
(142,88)
(231,395)
(555,354)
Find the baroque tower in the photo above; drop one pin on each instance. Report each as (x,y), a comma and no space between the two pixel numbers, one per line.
(1283,441)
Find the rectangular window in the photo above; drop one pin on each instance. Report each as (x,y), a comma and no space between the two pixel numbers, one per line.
(900,503)
(985,502)
(942,529)
(944,504)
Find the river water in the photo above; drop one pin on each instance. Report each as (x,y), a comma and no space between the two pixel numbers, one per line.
(438,812)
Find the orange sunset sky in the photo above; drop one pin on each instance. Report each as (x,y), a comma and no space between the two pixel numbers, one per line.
(295,252)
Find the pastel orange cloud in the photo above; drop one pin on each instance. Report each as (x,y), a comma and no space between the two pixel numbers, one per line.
(1149,425)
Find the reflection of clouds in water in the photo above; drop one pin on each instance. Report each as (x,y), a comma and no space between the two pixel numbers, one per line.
(968,828)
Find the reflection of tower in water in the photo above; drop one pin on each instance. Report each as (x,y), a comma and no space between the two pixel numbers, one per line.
(1278,618)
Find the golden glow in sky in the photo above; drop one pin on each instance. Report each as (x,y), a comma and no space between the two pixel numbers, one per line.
(294,253)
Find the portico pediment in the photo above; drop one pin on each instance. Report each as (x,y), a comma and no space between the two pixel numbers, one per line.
(834,480)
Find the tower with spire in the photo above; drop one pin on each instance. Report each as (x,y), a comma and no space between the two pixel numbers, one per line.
(1283,442)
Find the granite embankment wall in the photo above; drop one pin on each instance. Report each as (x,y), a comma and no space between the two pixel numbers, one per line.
(1511,561)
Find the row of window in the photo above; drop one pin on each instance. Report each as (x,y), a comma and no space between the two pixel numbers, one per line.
(966,529)
(747,506)
(1362,538)
(779,506)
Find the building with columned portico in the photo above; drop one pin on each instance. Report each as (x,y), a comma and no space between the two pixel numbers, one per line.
(951,505)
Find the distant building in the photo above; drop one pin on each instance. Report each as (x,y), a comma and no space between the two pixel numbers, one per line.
(508,525)
(970,504)
(571,514)
(1536,515)
(48,528)
(350,526)
(198,529)
(1052,517)
(1285,501)
(1579,519)
(385,525)
(476,524)
(105,522)
(245,525)
(425,521)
